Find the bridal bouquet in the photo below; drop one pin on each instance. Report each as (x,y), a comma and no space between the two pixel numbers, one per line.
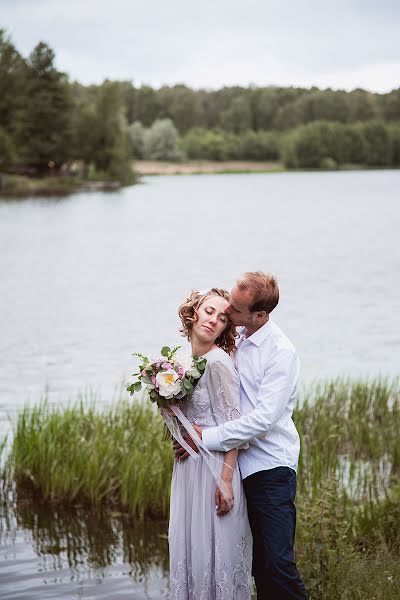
(167,379)
(170,377)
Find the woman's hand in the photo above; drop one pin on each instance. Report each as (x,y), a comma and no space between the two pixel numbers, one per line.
(180,453)
(221,505)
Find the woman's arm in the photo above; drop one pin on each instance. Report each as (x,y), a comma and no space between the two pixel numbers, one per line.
(223,386)
(222,506)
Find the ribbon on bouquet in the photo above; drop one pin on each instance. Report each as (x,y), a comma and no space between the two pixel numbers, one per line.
(212,461)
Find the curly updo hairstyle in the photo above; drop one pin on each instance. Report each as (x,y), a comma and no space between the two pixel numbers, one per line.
(188,316)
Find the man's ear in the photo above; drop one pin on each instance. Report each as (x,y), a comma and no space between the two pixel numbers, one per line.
(262,314)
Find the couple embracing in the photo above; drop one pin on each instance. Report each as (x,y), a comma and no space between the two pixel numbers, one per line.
(225,526)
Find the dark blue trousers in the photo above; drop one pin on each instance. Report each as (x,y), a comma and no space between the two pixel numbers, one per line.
(270,498)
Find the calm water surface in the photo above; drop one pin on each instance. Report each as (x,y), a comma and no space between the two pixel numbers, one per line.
(88,279)
(47,552)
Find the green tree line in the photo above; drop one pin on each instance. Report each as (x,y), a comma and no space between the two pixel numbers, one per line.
(48,123)
(46,119)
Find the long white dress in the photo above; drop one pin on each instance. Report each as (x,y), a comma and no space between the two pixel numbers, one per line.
(210,555)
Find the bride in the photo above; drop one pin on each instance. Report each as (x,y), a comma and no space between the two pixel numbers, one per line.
(209,536)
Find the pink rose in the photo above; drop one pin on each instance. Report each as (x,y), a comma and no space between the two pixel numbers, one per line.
(181,372)
(166,366)
(153,380)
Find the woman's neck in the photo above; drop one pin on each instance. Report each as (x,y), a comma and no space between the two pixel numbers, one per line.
(199,348)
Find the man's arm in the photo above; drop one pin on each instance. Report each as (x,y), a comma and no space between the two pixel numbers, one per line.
(275,391)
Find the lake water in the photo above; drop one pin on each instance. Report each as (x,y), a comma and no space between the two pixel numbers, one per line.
(87,279)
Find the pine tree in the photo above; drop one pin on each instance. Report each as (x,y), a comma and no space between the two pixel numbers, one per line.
(44,131)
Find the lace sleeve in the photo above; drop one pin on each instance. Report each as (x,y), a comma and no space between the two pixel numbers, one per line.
(223,387)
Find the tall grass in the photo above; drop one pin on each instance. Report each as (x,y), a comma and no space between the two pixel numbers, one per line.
(81,455)
(350,430)
(348,533)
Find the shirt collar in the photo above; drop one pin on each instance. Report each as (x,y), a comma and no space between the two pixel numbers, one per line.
(258,337)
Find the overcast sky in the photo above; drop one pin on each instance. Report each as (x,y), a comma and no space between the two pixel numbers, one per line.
(210,43)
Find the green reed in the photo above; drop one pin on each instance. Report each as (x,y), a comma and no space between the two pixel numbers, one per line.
(348,533)
(78,454)
(350,430)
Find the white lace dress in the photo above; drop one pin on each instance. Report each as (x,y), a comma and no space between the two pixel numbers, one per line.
(210,555)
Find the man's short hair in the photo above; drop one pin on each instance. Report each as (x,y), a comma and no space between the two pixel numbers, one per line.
(263,288)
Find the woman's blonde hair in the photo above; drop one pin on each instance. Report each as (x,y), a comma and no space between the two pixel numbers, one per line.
(188,316)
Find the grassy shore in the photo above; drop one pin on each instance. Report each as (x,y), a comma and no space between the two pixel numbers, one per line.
(348,533)
(21,185)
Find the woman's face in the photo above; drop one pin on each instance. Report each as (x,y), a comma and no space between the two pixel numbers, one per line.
(211,319)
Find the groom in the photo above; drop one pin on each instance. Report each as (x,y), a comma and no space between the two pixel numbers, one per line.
(269,369)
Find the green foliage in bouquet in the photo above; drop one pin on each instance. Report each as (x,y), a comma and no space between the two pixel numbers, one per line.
(167,379)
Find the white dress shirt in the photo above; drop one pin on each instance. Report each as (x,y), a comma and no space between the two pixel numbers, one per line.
(269,370)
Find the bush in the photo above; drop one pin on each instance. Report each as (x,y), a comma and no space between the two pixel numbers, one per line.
(377,145)
(220,145)
(161,141)
(205,144)
(259,145)
(328,164)
(394,132)
(136,133)
(326,145)
(7,150)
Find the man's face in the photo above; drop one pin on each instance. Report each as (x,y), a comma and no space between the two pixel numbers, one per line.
(238,309)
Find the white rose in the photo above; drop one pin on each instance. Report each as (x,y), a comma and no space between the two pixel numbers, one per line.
(168,383)
(183,359)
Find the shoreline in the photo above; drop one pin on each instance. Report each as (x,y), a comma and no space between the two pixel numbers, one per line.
(147,168)
(205,167)
(17,186)
(24,186)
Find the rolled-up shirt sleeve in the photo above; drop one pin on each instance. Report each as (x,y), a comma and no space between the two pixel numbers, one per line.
(279,381)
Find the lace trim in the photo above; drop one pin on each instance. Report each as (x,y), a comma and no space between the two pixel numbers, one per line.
(216,581)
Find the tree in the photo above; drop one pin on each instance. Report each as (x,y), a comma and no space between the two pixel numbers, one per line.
(377,145)
(111,151)
(161,141)
(11,84)
(390,105)
(354,145)
(208,144)
(265,102)
(182,105)
(362,106)
(136,133)
(7,150)
(314,145)
(43,130)
(146,108)
(394,132)
(260,145)
(237,117)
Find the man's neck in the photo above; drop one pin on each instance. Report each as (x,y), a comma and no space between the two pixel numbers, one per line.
(253,329)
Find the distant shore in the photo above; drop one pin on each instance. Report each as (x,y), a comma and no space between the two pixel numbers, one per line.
(207,167)
(198,167)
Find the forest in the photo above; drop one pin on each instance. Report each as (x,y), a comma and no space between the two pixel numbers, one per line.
(50,124)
